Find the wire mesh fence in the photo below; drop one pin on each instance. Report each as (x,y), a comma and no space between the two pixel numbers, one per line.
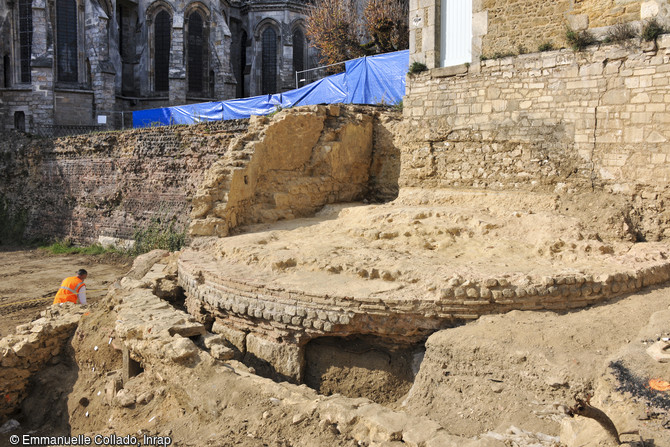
(107,121)
(304,77)
(54,131)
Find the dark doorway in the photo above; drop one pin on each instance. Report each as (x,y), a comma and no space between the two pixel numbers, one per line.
(20,121)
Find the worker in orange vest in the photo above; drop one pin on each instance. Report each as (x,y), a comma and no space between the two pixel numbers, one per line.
(72,289)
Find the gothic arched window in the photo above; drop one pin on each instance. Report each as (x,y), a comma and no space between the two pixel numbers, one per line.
(66,39)
(198,61)
(298,50)
(269,68)
(162,28)
(25,38)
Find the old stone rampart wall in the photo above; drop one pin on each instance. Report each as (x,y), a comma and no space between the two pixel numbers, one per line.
(558,120)
(513,24)
(107,185)
(293,164)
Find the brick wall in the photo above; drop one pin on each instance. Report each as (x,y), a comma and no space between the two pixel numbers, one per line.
(109,184)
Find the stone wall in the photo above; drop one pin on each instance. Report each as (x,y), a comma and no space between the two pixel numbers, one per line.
(29,351)
(107,186)
(502,27)
(558,120)
(529,24)
(288,166)
(104,187)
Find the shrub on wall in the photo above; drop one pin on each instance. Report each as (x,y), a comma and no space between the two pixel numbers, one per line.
(652,29)
(579,40)
(417,67)
(620,33)
(546,46)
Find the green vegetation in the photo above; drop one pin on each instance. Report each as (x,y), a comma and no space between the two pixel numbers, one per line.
(579,40)
(66,247)
(522,49)
(397,107)
(417,67)
(497,55)
(620,33)
(546,46)
(156,235)
(652,29)
(277,109)
(162,235)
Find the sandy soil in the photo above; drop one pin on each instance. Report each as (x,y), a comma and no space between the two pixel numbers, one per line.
(29,280)
(518,368)
(419,243)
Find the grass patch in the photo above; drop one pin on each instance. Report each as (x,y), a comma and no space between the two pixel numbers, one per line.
(66,247)
(159,235)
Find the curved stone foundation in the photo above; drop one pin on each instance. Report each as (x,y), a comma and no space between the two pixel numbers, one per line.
(282,316)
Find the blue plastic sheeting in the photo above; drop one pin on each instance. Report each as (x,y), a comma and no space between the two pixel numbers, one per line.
(196,113)
(245,107)
(377,79)
(369,80)
(329,90)
(152,117)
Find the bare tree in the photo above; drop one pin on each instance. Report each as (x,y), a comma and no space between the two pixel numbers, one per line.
(337,30)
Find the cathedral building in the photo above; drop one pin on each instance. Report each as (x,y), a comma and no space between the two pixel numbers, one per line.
(90,62)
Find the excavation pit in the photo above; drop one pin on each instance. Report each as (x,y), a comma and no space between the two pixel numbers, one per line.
(361,367)
(404,270)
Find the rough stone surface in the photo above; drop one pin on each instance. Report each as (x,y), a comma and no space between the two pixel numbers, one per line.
(559,120)
(286,167)
(101,183)
(504,27)
(110,185)
(33,346)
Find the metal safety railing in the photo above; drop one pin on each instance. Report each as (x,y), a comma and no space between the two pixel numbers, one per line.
(112,121)
(304,77)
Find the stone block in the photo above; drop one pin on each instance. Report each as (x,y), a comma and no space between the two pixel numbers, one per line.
(444,72)
(235,337)
(286,359)
(578,22)
(180,350)
(649,10)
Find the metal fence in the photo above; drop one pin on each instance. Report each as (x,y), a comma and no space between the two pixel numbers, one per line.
(53,131)
(114,121)
(304,77)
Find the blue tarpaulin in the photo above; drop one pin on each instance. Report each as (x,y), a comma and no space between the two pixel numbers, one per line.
(367,80)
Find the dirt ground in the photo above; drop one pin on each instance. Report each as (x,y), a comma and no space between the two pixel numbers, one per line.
(478,380)
(502,374)
(29,279)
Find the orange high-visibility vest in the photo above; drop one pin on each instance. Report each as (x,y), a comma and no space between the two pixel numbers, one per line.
(68,291)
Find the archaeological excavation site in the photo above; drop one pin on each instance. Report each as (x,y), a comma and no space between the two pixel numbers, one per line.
(486,266)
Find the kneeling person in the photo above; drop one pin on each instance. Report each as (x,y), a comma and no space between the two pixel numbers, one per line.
(72,289)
